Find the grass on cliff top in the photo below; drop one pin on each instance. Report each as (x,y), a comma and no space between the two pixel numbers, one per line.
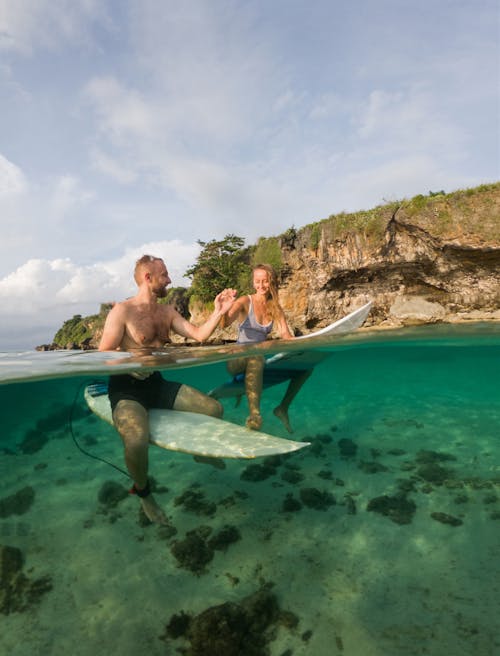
(472,212)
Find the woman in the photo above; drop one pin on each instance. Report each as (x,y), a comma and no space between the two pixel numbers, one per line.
(257,315)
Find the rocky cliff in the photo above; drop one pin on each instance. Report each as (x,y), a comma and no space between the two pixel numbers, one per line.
(434,258)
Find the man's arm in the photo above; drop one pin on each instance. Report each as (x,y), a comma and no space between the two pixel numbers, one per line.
(222,303)
(114,329)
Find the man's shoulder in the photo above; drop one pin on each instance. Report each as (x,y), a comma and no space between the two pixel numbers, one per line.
(121,309)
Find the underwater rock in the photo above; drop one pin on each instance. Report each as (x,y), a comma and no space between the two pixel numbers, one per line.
(226,536)
(316,448)
(290,504)
(350,504)
(17,592)
(347,448)
(307,635)
(292,476)
(193,553)
(444,518)
(277,460)
(326,474)
(426,457)
(33,441)
(178,625)
(257,472)
(434,473)
(166,531)
(196,550)
(398,508)
(372,467)
(18,503)
(195,502)
(405,485)
(396,452)
(317,499)
(231,629)
(111,494)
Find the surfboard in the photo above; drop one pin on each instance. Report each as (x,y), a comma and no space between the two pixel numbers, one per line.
(197,434)
(284,366)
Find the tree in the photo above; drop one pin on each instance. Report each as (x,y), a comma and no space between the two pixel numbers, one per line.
(220,264)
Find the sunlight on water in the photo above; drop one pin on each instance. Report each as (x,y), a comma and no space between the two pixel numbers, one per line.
(380,539)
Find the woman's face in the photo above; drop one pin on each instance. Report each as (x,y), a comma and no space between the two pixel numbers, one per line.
(261,281)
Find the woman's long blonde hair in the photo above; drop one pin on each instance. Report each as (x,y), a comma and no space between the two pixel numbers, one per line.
(273,302)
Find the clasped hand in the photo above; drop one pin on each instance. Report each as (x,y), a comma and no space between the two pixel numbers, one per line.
(224,300)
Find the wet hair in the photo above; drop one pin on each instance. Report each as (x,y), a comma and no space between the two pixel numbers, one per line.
(273,287)
(144,263)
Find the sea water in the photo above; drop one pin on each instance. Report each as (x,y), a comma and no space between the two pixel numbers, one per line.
(382,538)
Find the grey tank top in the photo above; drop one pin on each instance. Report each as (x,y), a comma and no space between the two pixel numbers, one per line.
(251,330)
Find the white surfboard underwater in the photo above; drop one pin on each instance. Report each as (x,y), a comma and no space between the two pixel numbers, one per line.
(199,434)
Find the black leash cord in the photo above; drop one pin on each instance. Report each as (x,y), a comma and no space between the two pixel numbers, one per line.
(80,448)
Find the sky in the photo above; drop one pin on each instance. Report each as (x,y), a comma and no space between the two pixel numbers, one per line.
(142,126)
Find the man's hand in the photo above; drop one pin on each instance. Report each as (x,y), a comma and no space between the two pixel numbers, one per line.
(224,300)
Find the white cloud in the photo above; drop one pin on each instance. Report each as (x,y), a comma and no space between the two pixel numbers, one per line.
(26,25)
(407,121)
(55,290)
(122,112)
(12,180)
(112,167)
(68,195)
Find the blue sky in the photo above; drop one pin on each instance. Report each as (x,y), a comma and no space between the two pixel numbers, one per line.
(132,126)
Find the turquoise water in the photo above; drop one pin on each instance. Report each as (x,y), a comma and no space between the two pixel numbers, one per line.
(405,424)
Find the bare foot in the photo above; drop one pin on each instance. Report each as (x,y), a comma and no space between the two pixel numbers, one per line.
(153,511)
(283,417)
(218,463)
(254,422)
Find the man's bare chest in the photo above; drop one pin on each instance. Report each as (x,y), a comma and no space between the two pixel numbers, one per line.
(148,327)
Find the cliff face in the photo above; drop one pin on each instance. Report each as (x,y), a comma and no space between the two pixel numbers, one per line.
(434,259)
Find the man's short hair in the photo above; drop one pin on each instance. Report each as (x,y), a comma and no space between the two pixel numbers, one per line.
(144,262)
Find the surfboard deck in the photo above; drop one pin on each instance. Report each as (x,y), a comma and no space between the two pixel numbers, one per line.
(197,434)
(284,366)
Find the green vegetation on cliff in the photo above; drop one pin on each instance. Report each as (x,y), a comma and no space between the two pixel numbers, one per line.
(466,211)
(79,331)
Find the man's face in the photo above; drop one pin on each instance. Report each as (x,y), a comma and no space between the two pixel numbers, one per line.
(160,279)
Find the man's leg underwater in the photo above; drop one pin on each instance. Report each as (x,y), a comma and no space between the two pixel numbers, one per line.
(189,399)
(131,421)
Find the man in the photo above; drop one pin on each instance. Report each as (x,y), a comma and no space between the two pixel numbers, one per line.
(143,322)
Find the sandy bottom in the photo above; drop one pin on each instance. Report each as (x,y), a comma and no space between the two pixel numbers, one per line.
(359,583)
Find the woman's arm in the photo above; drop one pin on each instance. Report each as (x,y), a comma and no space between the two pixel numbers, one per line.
(282,325)
(239,310)
(223,303)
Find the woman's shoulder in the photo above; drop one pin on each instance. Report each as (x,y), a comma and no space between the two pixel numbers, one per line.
(244,300)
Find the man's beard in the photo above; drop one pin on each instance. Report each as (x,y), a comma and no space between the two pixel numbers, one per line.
(161,292)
